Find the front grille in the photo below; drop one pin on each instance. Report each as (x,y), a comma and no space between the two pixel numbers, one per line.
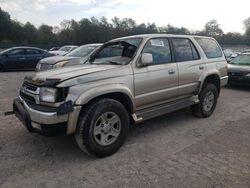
(27,97)
(30,86)
(30,92)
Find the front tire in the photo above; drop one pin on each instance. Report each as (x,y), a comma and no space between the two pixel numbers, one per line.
(208,100)
(102,128)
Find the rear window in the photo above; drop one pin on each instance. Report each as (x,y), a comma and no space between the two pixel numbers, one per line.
(210,47)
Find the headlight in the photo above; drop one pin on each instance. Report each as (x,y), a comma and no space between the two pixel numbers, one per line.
(38,66)
(248,75)
(60,64)
(48,94)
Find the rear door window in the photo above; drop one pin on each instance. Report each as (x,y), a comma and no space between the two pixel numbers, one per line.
(184,50)
(33,52)
(210,47)
(160,50)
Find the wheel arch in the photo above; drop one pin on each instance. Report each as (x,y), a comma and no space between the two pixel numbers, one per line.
(117,92)
(212,79)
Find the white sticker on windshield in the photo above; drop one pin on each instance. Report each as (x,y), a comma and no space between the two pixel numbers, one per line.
(157,42)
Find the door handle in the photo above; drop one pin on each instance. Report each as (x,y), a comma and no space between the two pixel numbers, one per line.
(22,58)
(171,71)
(201,67)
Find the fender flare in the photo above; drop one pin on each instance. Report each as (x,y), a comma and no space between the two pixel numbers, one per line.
(99,91)
(205,75)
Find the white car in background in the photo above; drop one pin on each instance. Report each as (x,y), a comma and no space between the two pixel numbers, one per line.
(63,50)
(76,57)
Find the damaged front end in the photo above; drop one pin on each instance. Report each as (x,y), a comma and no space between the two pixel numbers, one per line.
(42,107)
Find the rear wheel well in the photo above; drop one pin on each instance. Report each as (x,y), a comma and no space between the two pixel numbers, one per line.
(213,79)
(120,97)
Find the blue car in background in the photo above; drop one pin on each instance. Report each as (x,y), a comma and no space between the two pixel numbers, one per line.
(21,58)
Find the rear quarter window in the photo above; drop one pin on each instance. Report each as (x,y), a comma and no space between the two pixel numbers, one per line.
(210,47)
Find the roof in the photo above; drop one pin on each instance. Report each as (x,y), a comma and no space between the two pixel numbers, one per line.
(95,44)
(26,47)
(159,35)
(71,46)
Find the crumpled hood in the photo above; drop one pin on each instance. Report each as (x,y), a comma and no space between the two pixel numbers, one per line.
(237,68)
(56,59)
(65,73)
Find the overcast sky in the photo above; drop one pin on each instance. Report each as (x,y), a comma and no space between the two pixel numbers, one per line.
(192,14)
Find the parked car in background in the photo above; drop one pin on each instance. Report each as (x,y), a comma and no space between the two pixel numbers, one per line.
(127,79)
(230,54)
(63,50)
(246,51)
(239,69)
(54,48)
(76,57)
(21,58)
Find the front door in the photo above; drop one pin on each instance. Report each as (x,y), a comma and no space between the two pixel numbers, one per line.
(15,59)
(156,83)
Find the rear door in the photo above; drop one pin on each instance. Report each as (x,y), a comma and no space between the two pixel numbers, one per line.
(33,56)
(158,82)
(190,65)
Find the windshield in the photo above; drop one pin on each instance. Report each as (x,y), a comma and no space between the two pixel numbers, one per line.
(4,51)
(81,51)
(65,48)
(118,52)
(241,60)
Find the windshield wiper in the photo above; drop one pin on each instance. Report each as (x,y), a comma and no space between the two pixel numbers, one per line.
(105,62)
(113,62)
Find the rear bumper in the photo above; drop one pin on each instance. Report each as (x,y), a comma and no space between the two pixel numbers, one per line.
(223,81)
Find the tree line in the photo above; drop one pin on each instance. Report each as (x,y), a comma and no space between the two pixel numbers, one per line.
(95,30)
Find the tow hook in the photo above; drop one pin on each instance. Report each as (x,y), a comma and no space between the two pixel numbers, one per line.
(9,113)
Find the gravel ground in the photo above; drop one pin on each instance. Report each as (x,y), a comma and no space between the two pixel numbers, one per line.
(174,150)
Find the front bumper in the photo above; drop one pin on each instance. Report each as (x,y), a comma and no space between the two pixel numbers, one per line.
(239,79)
(49,123)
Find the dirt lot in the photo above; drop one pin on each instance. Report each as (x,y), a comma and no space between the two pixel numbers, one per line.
(175,150)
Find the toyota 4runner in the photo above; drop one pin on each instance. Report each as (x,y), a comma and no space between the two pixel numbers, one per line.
(128,80)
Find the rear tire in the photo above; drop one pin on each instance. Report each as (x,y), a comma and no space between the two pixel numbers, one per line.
(208,100)
(102,127)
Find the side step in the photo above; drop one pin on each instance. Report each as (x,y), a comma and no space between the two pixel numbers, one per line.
(159,110)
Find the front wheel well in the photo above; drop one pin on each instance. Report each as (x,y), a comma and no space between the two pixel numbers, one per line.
(118,96)
(213,79)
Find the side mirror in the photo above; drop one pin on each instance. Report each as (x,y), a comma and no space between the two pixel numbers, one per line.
(146,59)
(5,55)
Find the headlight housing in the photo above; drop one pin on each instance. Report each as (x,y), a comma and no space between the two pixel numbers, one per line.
(38,66)
(48,94)
(60,64)
(42,66)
